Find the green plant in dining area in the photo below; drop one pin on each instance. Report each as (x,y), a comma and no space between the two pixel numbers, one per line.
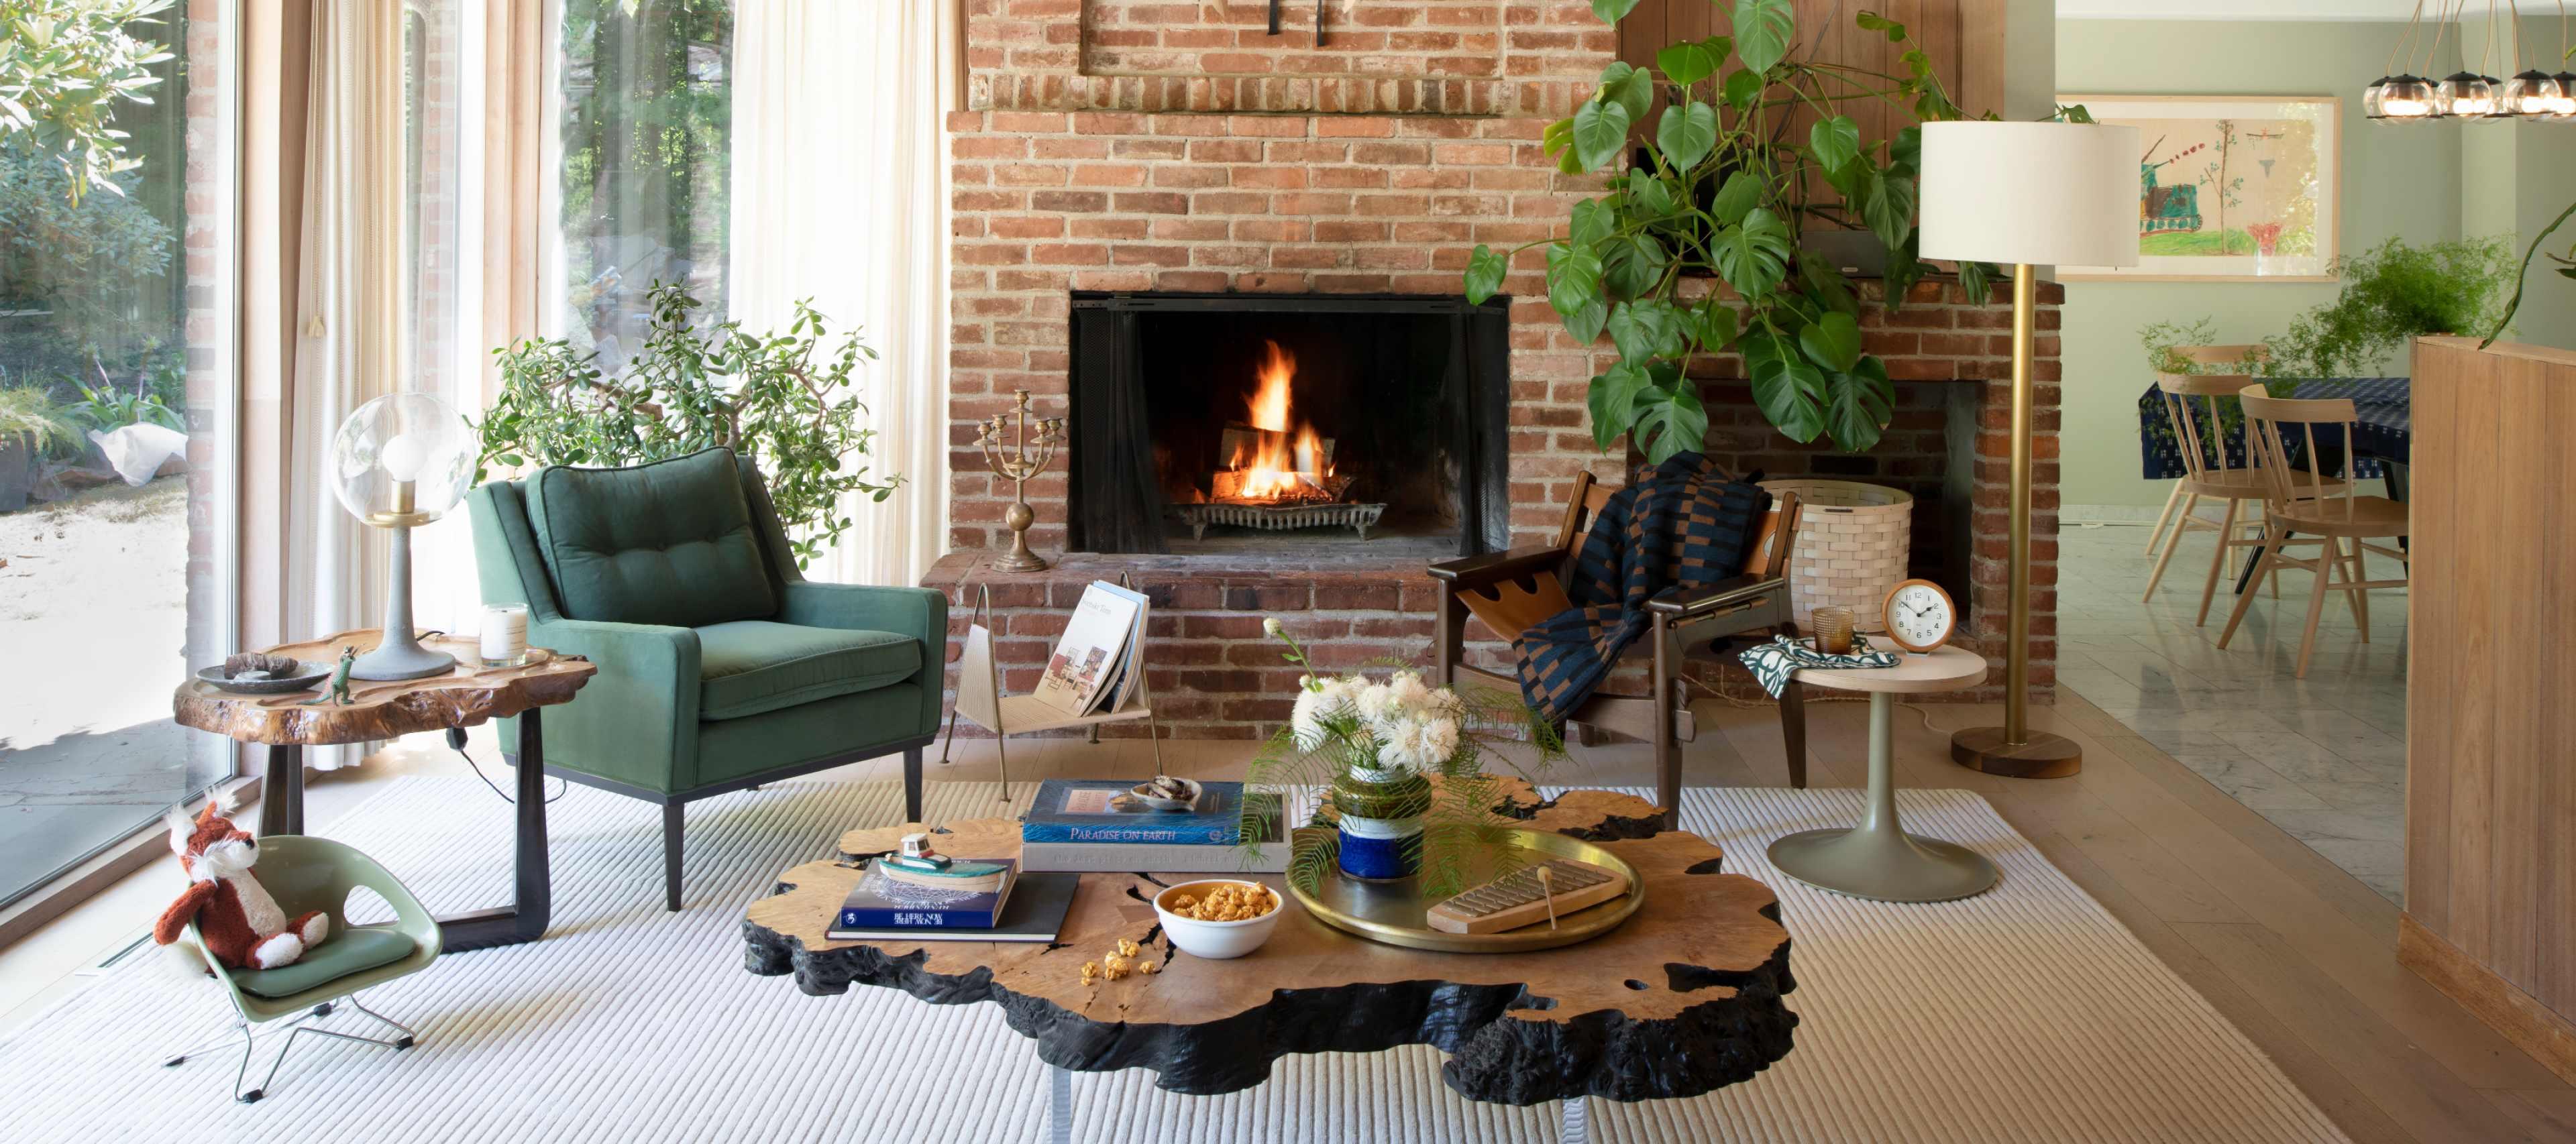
(783,399)
(1721,195)
(2391,293)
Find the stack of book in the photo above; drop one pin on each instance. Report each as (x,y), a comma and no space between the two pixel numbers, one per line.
(1016,906)
(1098,825)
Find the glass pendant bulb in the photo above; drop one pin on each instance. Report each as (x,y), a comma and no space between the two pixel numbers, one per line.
(2407,97)
(2528,95)
(2374,99)
(2464,94)
(2563,104)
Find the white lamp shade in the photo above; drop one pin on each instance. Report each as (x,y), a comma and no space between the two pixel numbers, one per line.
(2040,193)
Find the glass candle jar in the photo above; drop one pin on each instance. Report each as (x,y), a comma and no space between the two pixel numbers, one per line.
(505,635)
(1833,629)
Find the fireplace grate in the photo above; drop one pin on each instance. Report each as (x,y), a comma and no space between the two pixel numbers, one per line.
(1279,518)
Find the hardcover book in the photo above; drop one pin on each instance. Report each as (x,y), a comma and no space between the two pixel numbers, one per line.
(880,902)
(1035,912)
(1169,858)
(1101,810)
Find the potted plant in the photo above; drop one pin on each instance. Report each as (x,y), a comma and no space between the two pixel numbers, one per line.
(2392,293)
(30,424)
(1719,193)
(778,398)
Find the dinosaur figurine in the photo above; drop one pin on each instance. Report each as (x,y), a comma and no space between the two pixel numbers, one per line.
(336,693)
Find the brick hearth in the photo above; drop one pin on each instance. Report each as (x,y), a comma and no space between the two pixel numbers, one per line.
(1135,145)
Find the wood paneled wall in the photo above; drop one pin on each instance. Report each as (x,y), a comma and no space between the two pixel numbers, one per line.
(2491,696)
(1962,37)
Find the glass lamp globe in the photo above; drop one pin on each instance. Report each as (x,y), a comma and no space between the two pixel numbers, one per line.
(2529,95)
(2374,98)
(2563,104)
(2407,97)
(2464,94)
(399,462)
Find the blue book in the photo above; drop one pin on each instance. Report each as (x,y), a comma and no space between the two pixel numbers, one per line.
(881,903)
(1098,810)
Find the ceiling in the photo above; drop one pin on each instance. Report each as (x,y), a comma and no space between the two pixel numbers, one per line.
(2274,9)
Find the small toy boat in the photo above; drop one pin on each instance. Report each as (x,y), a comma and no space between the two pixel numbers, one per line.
(916,863)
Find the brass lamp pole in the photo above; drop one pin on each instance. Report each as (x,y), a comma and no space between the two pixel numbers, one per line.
(1026,456)
(2029,194)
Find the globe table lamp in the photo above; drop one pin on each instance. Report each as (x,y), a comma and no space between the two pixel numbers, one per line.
(399,462)
(2028,194)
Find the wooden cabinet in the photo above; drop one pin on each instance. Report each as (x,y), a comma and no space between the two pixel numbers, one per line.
(2491,696)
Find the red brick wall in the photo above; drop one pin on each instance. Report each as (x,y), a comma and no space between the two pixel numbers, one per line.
(1134,145)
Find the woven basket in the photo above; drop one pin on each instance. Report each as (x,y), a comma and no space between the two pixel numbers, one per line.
(1853,540)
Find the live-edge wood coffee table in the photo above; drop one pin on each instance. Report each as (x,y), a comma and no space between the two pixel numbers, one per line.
(384,709)
(1681,1000)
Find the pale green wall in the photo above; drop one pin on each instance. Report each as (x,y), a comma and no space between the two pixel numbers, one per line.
(2396,180)
(2517,177)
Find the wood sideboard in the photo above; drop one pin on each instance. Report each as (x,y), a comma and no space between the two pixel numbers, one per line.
(2490,913)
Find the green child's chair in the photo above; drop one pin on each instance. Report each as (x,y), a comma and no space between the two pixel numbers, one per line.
(720,666)
(303,874)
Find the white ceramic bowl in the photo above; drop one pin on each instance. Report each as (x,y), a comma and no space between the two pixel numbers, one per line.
(1216,941)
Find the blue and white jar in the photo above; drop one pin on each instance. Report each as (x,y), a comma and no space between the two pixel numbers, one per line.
(1380,820)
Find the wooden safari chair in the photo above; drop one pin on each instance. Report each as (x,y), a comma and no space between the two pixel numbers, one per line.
(1513,591)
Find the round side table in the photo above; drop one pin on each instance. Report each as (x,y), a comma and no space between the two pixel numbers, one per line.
(1878,860)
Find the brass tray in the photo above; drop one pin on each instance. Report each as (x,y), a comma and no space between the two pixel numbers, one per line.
(1392,912)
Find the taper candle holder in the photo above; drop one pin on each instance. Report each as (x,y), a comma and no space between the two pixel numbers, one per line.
(1026,456)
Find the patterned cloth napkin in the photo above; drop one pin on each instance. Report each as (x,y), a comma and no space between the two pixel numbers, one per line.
(1773,663)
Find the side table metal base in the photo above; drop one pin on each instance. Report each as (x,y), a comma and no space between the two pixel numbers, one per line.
(1878,860)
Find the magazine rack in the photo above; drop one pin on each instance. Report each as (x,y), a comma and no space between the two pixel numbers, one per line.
(981,702)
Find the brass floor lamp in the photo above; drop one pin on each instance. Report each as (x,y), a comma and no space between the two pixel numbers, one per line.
(2027,194)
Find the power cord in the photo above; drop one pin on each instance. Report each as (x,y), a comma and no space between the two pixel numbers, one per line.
(456,742)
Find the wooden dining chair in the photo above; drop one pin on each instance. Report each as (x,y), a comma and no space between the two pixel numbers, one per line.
(2301,501)
(2199,356)
(1512,591)
(2200,430)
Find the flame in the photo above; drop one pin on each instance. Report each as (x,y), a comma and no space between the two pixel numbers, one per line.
(1287,466)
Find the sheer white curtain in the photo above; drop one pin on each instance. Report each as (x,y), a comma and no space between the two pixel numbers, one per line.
(350,314)
(840,196)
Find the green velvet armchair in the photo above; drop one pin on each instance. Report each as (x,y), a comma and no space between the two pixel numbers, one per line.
(720,667)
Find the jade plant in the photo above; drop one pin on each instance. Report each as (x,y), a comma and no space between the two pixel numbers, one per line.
(780,398)
(1721,190)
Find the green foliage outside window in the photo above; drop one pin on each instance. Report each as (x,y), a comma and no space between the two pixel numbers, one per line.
(64,67)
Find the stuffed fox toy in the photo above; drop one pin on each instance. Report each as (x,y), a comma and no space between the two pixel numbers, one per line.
(241,924)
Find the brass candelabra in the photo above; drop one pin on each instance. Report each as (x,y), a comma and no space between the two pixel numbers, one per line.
(1016,461)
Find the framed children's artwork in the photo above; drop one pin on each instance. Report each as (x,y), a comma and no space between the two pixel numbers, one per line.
(2230,187)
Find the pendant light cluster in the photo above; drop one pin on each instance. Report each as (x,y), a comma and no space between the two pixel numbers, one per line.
(2530,94)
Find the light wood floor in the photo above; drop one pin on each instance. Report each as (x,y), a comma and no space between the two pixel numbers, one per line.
(2293,950)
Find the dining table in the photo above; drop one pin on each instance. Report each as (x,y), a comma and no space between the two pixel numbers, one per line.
(2383,432)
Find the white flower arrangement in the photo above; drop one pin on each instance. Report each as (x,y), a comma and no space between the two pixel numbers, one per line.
(1388,729)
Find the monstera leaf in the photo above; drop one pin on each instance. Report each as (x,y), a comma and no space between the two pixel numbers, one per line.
(1753,255)
(1788,387)
(1485,271)
(1762,32)
(1687,133)
(1600,133)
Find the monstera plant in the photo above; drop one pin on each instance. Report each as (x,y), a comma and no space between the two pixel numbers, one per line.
(1721,189)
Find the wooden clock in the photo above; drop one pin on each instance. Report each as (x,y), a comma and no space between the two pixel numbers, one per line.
(1919,616)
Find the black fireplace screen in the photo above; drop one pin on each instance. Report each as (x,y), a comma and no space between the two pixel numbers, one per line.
(1220,421)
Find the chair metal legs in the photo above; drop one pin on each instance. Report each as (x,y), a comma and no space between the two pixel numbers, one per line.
(294,1028)
(675,819)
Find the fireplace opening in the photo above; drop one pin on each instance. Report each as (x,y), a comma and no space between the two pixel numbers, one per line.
(1293,424)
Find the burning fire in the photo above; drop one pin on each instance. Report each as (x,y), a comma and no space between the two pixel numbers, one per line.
(1285,461)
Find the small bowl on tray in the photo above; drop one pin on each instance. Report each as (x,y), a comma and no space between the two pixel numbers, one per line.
(1216,941)
(307,673)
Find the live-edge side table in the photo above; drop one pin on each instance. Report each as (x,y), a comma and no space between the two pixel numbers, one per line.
(1878,860)
(384,709)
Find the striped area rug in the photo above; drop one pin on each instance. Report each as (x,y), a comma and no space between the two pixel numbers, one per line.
(2025,1014)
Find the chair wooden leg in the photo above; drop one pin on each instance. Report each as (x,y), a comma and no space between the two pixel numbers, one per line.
(2170,499)
(1668,748)
(1793,733)
(674,819)
(2269,564)
(2327,558)
(2182,524)
(2360,596)
(2217,561)
(912,784)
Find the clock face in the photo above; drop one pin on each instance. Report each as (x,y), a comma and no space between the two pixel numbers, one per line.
(1919,615)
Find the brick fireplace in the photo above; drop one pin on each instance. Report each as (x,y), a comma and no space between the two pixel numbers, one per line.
(1131,147)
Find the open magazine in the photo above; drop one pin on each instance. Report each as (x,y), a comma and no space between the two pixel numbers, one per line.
(1099,660)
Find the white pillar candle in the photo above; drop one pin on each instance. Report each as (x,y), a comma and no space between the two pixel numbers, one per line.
(505,635)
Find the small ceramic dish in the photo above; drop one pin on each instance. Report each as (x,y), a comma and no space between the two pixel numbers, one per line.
(1144,793)
(306,674)
(1216,941)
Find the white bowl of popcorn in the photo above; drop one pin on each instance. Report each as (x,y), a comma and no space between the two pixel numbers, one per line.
(1218,918)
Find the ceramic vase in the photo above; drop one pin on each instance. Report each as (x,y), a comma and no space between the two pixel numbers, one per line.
(1381,822)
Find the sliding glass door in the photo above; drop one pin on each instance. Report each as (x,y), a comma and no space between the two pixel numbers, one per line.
(117,407)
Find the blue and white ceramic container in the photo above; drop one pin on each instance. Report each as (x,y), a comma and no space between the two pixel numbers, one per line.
(1381,822)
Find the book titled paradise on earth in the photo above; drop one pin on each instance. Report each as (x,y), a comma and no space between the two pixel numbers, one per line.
(1097,810)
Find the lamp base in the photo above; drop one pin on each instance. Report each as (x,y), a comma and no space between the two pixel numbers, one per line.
(2045,756)
(405,660)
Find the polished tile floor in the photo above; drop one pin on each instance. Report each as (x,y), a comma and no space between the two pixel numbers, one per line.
(2323,758)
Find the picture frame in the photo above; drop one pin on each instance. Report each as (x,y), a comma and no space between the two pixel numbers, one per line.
(2273,161)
